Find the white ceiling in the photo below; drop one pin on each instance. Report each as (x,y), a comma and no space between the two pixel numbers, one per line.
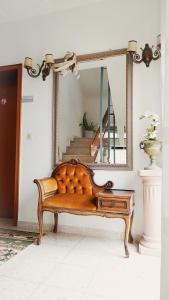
(14,10)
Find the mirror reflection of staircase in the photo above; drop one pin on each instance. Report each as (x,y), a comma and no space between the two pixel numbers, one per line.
(108,144)
(110,148)
(79,149)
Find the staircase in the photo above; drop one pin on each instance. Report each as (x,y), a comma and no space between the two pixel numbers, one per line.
(79,149)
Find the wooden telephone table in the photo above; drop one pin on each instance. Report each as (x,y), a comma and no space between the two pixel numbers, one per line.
(118,204)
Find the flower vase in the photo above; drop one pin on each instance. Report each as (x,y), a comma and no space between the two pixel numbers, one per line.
(152,148)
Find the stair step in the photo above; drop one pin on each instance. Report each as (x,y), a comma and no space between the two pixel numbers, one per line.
(75,145)
(81,157)
(78,150)
(82,140)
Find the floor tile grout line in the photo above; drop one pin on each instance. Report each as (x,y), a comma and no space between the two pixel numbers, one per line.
(72,248)
(41,281)
(89,285)
(33,292)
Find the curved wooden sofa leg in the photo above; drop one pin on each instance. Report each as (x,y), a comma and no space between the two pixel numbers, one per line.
(40,221)
(55,229)
(126,236)
(130,234)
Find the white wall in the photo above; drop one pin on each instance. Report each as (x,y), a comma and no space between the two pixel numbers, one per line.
(104,25)
(71,109)
(90,86)
(165,186)
(92,108)
(117,79)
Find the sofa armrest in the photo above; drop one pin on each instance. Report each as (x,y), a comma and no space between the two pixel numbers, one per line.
(46,187)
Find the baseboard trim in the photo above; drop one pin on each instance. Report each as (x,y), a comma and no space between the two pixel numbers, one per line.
(33,227)
(91,231)
(86,231)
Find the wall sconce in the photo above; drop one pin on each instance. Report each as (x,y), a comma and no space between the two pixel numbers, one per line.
(69,64)
(147,53)
(45,67)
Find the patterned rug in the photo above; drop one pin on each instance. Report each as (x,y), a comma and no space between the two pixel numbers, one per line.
(12,242)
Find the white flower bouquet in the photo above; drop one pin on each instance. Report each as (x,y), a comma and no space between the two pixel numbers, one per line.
(151,132)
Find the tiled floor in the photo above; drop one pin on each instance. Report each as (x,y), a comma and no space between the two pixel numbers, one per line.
(5,222)
(71,267)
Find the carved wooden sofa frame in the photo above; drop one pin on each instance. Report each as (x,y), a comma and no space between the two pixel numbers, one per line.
(52,187)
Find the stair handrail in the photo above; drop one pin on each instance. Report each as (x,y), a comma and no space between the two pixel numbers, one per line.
(94,145)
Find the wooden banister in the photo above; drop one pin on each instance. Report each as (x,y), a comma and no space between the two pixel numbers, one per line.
(94,145)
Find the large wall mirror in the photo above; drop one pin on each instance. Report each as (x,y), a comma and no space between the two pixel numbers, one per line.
(93,115)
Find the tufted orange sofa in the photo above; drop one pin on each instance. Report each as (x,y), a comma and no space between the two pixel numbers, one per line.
(71,189)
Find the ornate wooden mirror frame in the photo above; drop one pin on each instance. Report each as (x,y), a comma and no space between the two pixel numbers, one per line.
(129,104)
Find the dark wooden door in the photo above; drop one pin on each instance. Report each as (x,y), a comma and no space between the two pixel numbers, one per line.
(10,103)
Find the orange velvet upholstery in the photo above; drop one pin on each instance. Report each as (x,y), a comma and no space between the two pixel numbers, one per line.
(71,201)
(74,179)
(49,186)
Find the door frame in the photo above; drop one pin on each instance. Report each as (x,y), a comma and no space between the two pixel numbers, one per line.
(18,68)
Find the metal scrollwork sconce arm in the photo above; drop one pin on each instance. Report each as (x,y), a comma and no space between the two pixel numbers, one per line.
(35,72)
(148,54)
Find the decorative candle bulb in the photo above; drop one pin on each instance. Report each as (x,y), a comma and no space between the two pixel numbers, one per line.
(158,40)
(49,58)
(132,46)
(28,63)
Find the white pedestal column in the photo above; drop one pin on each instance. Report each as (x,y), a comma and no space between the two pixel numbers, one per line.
(150,243)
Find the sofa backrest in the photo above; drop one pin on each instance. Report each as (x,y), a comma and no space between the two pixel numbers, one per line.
(74,179)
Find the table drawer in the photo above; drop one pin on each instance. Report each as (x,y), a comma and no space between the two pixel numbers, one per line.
(112,205)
